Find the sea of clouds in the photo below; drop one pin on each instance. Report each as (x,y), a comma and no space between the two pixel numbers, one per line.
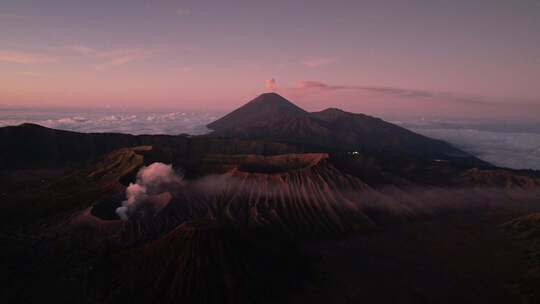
(507,144)
(139,122)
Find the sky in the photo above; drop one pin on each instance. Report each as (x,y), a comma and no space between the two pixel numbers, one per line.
(474,59)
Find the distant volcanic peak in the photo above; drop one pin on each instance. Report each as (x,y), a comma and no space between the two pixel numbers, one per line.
(264,107)
(334,110)
(329,114)
(31,125)
(276,100)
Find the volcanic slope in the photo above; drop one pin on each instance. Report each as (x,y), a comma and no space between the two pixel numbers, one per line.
(203,262)
(292,194)
(272,117)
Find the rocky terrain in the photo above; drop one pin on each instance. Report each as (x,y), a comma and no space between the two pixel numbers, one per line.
(526,229)
(277,205)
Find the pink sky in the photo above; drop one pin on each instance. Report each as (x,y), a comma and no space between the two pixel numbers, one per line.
(456,58)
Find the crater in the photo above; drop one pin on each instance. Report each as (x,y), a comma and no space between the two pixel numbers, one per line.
(268,164)
(105,209)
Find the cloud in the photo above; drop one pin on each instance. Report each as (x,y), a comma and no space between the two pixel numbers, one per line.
(112,57)
(316,62)
(151,188)
(399,92)
(315,85)
(414,93)
(26,58)
(503,146)
(271,85)
(136,122)
(84,50)
(121,57)
(310,86)
(306,87)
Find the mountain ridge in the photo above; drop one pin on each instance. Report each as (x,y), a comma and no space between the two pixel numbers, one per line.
(331,129)
(267,104)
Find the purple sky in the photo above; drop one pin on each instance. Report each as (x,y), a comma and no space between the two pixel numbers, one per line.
(467,58)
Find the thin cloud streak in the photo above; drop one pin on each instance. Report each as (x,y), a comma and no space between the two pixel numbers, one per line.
(111,58)
(26,58)
(308,86)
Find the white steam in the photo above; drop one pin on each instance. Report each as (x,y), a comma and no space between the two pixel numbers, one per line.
(149,189)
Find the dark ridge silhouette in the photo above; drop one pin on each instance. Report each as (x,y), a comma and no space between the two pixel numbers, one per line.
(274,118)
(31,146)
(267,106)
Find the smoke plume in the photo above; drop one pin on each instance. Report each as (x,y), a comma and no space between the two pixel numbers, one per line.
(149,190)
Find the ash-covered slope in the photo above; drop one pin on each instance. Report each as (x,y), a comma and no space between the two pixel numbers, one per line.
(204,262)
(293,193)
(527,230)
(374,134)
(274,118)
(289,195)
(74,191)
(501,179)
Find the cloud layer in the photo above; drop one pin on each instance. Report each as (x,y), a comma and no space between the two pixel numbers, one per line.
(176,122)
(505,146)
(310,86)
(99,59)
(108,58)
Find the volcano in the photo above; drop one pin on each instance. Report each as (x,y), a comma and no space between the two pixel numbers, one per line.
(267,106)
(271,117)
